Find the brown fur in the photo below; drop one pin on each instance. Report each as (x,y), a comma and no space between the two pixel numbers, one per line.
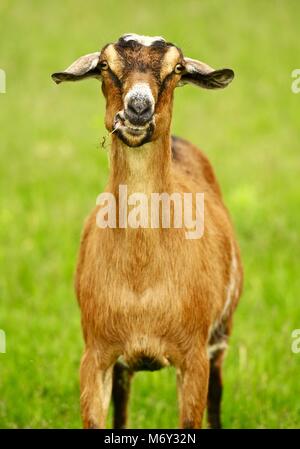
(151,295)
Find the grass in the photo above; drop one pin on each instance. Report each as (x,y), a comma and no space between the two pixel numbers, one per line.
(52,169)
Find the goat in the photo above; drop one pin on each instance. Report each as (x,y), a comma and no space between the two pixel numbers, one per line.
(150,298)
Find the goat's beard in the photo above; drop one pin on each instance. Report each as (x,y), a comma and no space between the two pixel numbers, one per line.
(129,134)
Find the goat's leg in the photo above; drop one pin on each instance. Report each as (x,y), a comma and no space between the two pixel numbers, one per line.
(217,347)
(95,385)
(120,394)
(192,390)
(215,390)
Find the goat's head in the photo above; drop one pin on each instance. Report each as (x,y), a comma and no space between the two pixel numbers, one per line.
(139,75)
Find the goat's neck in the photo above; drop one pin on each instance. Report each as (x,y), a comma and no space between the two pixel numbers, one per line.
(144,169)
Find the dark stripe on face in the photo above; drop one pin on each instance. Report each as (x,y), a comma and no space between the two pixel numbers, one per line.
(164,83)
(137,57)
(117,82)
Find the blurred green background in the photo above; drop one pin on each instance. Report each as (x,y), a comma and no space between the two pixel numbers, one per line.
(52,169)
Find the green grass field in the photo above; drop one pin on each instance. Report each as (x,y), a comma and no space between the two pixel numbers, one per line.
(52,169)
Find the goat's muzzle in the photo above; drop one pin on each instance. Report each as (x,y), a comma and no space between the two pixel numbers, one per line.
(133,134)
(139,110)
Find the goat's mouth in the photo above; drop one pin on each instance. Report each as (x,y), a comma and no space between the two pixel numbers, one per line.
(132,135)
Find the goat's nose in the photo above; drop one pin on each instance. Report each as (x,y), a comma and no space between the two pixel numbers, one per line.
(139,110)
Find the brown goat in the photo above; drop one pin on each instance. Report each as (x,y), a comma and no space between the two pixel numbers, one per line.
(150,297)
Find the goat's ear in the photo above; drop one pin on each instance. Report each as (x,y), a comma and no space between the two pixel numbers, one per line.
(84,67)
(202,75)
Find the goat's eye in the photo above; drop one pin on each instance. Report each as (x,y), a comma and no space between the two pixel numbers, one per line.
(179,68)
(103,65)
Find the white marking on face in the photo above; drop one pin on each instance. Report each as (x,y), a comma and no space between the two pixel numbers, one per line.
(139,90)
(143,40)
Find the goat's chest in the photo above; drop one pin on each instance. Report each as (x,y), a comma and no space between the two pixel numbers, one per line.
(141,274)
